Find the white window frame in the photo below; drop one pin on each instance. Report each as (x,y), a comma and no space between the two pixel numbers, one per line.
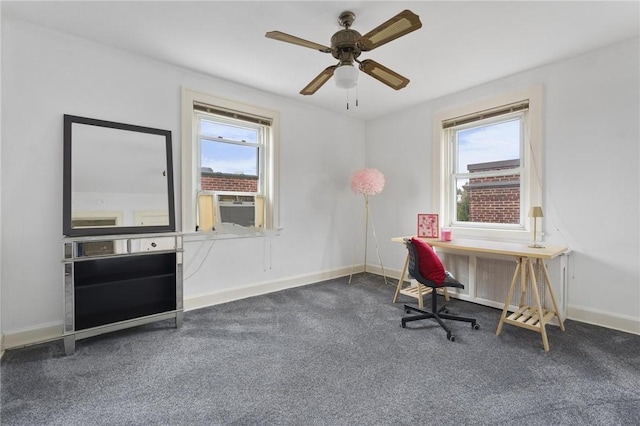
(191,157)
(530,169)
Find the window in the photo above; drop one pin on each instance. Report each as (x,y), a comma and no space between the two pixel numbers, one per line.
(229,158)
(486,178)
(487,166)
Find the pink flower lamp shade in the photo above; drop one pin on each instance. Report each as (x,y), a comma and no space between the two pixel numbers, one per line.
(367,182)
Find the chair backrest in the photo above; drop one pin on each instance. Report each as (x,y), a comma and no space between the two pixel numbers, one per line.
(414,266)
(424,264)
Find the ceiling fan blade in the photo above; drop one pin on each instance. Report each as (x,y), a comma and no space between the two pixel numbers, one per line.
(383,74)
(278,35)
(317,82)
(401,24)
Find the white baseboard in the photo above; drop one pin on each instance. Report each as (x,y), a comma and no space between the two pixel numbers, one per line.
(44,333)
(604,319)
(229,295)
(392,274)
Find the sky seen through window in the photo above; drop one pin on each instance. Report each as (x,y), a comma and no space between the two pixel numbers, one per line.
(224,157)
(486,143)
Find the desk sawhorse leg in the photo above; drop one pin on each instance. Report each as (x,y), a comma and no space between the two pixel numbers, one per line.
(530,317)
(418,291)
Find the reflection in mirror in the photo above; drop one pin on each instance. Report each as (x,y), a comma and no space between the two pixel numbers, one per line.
(118,178)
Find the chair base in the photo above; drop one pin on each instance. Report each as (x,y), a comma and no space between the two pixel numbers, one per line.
(438,316)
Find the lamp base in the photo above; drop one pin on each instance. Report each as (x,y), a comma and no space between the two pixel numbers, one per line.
(535,245)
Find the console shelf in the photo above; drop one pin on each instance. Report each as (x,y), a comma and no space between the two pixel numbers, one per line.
(132,284)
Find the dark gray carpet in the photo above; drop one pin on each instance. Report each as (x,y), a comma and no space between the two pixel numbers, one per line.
(327,354)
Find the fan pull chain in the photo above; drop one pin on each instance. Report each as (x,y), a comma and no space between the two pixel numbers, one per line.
(348,97)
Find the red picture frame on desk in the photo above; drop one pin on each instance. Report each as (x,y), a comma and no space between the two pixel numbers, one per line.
(428,225)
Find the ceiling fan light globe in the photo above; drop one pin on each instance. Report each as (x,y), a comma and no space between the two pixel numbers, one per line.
(346,76)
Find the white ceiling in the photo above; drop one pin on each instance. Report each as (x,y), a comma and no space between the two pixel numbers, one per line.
(461,44)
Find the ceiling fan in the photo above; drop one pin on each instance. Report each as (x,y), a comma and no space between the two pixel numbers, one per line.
(348,44)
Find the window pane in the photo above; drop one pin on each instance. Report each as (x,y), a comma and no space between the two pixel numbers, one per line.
(480,146)
(227,131)
(228,158)
(228,167)
(491,148)
(462,200)
(489,199)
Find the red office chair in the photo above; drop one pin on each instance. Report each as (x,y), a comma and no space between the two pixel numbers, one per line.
(426,268)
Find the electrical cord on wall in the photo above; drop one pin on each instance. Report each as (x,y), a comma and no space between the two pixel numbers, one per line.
(213,242)
(264,255)
(241,232)
(550,206)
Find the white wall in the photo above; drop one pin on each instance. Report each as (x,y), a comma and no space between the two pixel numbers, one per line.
(1,333)
(591,174)
(47,74)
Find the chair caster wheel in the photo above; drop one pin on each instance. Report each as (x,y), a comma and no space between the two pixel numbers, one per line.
(445,311)
(403,325)
(407,311)
(476,326)
(451,338)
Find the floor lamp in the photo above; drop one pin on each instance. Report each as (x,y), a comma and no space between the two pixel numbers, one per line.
(368,182)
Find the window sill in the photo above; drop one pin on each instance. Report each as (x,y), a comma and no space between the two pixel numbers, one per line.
(231,232)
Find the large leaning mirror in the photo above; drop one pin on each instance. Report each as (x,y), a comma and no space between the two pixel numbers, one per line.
(118,178)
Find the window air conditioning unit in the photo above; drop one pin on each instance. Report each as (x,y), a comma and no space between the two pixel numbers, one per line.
(236,207)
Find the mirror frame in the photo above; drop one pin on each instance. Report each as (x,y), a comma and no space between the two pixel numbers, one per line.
(67,229)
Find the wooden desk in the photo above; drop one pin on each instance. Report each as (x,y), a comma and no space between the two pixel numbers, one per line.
(530,317)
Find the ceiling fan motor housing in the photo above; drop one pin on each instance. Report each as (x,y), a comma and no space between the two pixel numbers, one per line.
(344,45)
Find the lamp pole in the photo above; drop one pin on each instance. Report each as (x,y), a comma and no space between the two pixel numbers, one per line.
(366,229)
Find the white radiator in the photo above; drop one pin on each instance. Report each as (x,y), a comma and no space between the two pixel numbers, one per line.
(487,280)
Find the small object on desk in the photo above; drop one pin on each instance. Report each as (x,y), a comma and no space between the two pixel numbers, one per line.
(428,225)
(445,234)
(535,213)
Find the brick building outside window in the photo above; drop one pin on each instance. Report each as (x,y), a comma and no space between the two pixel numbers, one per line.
(490,199)
(215,181)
